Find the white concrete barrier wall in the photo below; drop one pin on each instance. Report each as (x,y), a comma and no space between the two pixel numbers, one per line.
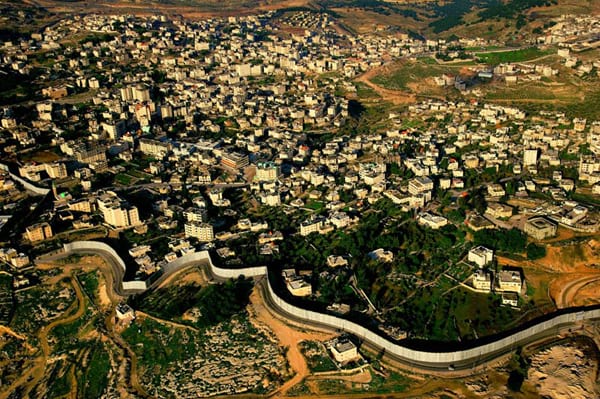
(204,256)
(136,285)
(28,186)
(95,246)
(422,356)
(343,324)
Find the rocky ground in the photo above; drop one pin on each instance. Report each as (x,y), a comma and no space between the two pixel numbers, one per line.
(565,372)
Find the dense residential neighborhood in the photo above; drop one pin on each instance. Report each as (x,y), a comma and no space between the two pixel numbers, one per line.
(252,138)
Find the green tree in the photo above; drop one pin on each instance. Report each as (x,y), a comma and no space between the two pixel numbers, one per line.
(535,251)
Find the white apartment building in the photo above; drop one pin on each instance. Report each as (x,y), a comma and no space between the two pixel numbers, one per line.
(116,211)
(509,281)
(433,221)
(310,226)
(203,232)
(266,171)
(480,255)
(482,280)
(420,185)
(530,157)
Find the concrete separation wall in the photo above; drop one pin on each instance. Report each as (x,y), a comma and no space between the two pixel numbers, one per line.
(204,256)
(93,246)
(136,286)
(28,186)
(422,357)
(411,356)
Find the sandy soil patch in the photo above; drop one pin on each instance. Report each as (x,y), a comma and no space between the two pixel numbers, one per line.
(569,273)
(185,277)
(105,301)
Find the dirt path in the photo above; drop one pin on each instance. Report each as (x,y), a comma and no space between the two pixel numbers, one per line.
(134,379)
(88,263)
(9,331)
(362,377)
(568,293)
(194,275)
(173,324)
(36,373)
(287,336)
(396,97)
(429,387)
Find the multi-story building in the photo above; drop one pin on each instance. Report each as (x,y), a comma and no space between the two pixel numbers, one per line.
(589,168)
(116,211)
(195,215)
(530,157)
(311,226)
(480,255)
(419,185)
(496,190)
(56,170)
(299,287)
(271,199)
(497,210)
(540,228)
(343,350)
(203,232)
(38,232)
(154,147)
(90,154)
(266,171)
(482,280)
(509,281)
(234,160)
(21,260)
(433,221)
(140,93)
(82,205)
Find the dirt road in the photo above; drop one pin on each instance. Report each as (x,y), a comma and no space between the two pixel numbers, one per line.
(287,336)
(396,97)
(569,292)
(35,374)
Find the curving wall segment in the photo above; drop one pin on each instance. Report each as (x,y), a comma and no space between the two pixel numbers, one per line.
(28,186)
(425,359)
(92,246)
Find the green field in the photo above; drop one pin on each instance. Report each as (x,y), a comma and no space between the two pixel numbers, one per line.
(365,92)
(315,205)
(526,54)
(123,179)
(408,73)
